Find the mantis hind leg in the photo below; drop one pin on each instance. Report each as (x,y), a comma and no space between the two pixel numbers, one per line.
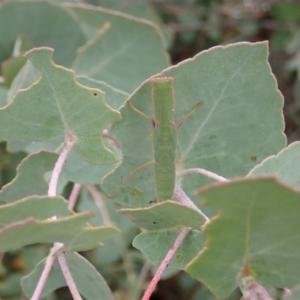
(188,115)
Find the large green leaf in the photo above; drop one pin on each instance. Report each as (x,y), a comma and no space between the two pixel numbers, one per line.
(285,165)
(252,234)
(88,280)
(125,51)
(238,125)
(55,107)
(156,244)
(30,179)
(44,24)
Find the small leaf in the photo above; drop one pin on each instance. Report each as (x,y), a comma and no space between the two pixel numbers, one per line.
(56,107)
(88,280)
(30,179)
(250,236)
(155,245)
(71,231)
(164,215)
(285,165)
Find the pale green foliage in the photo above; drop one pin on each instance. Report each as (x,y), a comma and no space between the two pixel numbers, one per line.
(102,58)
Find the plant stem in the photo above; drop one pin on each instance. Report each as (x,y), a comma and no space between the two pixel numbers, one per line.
(74,195)
(57,169)
(180,196)
(202,172)
(99,202)
(164,264)
(46,271)
(51,257)
(252,290)
(68,277)
(142,278)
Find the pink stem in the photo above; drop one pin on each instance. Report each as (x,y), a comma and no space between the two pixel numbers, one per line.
(68,277)
(252,290)
(74,195)
(57,169)
(100,204)
(165,262)
(42,281)
(180,196)
(52,193)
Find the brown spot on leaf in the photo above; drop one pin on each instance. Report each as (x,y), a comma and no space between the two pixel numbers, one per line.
(179,257)
(246,270)
(131,217)
(253,158)
(135,192)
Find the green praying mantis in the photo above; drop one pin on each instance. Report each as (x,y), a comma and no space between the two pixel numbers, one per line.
(164,138)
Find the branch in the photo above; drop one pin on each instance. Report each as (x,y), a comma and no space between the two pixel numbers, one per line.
(106,134)
(99,202)
(52,193)
(165,262)
(42,281)
(57,168)
(74,195)
(252,290)
(142,277)
(68,277)
(183,198)
(202,172)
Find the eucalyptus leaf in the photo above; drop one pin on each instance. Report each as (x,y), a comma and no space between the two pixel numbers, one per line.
(253,234)
(56,107)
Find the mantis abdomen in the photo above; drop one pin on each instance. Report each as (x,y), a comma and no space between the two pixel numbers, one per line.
(164,137)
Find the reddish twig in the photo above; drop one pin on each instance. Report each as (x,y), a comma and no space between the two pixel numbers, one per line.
(99,202)
(252,290)
(51,257)
(68,277)
(46,271)
(164,264)
(74,195)
(57,169)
